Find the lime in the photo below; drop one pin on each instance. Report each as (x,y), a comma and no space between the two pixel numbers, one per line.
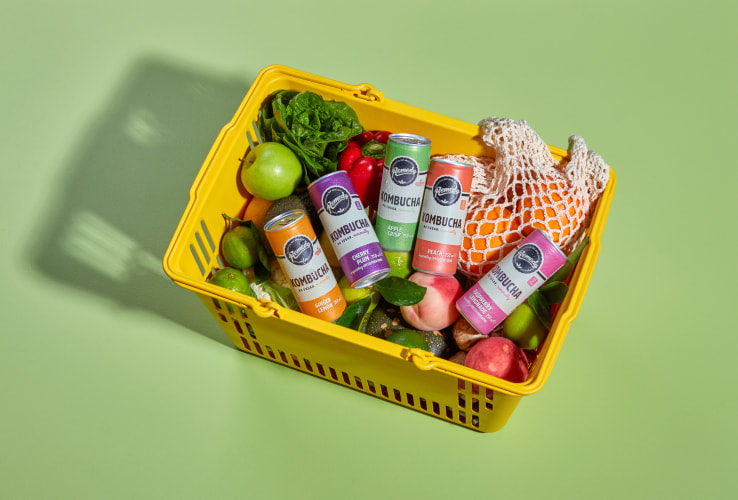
(400,263)
(351,294)
(408,338)
(240,247)
(524,328)
(232,279)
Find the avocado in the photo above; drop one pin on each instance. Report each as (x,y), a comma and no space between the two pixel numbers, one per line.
(386,318)
(299,200)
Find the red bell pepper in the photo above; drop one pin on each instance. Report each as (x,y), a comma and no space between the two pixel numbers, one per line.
(363,159)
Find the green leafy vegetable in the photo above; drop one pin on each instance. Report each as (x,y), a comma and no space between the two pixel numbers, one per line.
(357,312)
(316,130)
(541,307)
(399,291)
(571,261)
(554,292)
(281,295)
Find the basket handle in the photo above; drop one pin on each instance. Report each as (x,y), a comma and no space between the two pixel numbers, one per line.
(265,309)
(422,360)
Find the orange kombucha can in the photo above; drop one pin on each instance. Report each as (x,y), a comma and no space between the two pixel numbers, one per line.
(305,265)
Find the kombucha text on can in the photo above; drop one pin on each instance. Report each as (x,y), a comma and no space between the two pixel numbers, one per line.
(348,227)
(507,285)
(406,163)
(441,224)
(304,263)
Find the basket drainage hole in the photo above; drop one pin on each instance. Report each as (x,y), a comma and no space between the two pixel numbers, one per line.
(462,401)
(398,395)
(245,343)
(462,416)
(295,361)
(334,376)
(475,421)
(372,389)
(238,326)
(283,356)
(436,408)
(346,379)
(410,399)
(358,383)
(251,330)
(258,348)
(271,353)
(424,404)
(475,405)
(320,369)
(489,405)
(449,413)
(308,365)
(385,392)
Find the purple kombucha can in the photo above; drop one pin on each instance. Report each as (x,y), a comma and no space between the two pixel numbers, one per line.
(507,285)
(348,227)
(442,215)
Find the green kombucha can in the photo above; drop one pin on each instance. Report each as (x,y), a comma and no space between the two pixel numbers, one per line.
(406,162)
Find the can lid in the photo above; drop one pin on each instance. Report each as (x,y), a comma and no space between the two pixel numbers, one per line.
(410,139)
(451,162)
(323,178)
(284,219)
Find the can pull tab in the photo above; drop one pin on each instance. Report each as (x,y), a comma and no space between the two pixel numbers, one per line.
(423,360)
(368,93)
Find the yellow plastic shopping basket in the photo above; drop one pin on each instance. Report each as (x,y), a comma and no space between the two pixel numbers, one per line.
(409,377)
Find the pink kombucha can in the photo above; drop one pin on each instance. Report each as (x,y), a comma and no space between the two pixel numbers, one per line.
(507,285)
(442,215)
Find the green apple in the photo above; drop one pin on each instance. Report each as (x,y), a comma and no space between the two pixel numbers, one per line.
(524,328)
(271,171)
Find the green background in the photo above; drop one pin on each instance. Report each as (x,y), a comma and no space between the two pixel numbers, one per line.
(115,383)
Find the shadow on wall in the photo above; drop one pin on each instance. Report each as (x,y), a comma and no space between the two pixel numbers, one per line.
(126,186)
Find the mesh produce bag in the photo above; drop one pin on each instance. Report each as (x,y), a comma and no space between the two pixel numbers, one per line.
(521,188)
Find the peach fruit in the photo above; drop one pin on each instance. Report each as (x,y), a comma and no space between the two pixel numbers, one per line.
(437,310)
(499,357)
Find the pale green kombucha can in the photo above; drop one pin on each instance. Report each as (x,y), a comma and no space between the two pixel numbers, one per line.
(406,163)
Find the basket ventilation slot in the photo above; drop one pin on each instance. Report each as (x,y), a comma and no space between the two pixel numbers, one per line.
(471,400)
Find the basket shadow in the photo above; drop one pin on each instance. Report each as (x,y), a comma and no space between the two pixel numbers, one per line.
(125,186)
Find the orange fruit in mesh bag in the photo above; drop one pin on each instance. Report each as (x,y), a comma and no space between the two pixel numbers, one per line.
(490,233)
(553,207)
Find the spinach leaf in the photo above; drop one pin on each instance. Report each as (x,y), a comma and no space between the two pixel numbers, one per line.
(316,130)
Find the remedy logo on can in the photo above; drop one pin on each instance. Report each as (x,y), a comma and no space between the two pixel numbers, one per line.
(446,190)
(299,250)
(403,171)
(527,259)
(336,200)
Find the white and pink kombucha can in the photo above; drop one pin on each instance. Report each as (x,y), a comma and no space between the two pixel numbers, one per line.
(507,285)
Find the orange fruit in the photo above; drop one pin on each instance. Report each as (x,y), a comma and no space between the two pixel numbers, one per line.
(550,206)
(490,233)
(255,210)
